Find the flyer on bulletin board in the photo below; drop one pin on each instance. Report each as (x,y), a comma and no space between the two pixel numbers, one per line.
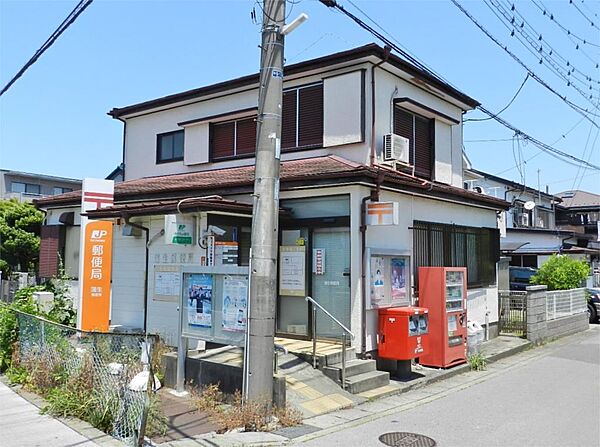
(399,272)
(377,281)
(235,304)
(200,289)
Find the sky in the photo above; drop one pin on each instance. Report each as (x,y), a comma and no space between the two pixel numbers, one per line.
(53,119)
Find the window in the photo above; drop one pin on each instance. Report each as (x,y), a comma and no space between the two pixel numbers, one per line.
(302,117)
(169,147)
(25,188)
(58,190)
(233,138)
(445,245)
(419,131)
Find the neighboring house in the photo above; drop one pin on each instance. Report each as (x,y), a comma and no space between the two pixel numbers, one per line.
(192,154)
(116,174)
(25,186)
(529,234)
(579,212)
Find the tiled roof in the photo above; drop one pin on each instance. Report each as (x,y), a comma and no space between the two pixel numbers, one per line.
(305,171)
(147,208)
(576,199)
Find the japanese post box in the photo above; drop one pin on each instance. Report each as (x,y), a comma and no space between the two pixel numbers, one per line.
(403,332)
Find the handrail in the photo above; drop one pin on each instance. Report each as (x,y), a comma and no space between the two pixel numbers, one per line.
(326,312)
(314,337)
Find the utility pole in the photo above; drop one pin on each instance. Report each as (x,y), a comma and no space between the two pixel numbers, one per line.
(265,215)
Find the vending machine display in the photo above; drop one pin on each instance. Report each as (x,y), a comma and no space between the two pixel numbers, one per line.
(443,290)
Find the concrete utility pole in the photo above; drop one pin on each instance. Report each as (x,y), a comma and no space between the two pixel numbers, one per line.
(265,215)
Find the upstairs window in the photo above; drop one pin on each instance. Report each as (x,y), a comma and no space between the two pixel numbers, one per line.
(419,131)
(58,190)
(25,188)
(169,147)
(233,138)
(302,117)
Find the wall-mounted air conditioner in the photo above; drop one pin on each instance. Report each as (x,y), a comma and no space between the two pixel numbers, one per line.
(395,149)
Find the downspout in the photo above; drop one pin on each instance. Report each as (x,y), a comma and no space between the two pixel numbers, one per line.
(374,197)
(147,231)
(386,55)
(123,149)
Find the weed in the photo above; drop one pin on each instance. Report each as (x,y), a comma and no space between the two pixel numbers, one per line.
(156,423)
(477,362)
(208,398)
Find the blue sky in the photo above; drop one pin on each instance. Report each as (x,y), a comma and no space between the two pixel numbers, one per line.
(53,120)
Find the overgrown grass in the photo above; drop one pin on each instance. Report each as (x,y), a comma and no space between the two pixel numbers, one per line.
(477,362)
(230,413)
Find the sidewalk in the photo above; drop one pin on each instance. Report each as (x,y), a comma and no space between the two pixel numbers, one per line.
(431,384)
(22,425)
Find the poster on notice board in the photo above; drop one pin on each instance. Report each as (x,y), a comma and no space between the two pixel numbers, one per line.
(200,289)
(398,266)
(235,304)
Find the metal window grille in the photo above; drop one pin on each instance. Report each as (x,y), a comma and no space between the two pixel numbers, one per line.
(444,245)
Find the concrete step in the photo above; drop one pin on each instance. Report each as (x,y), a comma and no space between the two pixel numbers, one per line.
(353,368)
(329,359)
(367,381)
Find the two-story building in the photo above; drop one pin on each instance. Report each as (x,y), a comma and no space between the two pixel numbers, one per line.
(358,127)
(26,186)
(529,234)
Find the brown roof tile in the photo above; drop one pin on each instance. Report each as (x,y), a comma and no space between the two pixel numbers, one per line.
(304,170)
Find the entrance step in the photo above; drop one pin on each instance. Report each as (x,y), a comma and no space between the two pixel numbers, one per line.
(353,368)
(367,381)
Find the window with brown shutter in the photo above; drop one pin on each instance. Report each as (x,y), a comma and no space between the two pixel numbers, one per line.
(302,117)
(233,138)
(419,131)
(288,119)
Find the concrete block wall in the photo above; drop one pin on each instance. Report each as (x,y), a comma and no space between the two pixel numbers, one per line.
(539,329)
(536,314)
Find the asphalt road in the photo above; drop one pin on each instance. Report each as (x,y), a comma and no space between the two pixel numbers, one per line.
(546,397)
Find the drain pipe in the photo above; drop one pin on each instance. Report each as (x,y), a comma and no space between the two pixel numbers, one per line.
(147,231)
(374,197)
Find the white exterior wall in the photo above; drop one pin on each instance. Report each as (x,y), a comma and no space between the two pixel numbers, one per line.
(448,138)
(347,128)
(400,237)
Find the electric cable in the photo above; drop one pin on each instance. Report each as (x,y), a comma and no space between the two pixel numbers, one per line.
(81,6)
(539,80)
(584,15)
(505,107)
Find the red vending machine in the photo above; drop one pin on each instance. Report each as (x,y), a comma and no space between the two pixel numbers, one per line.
(443,290)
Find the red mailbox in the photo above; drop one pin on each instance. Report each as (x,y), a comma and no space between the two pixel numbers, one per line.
(403,332)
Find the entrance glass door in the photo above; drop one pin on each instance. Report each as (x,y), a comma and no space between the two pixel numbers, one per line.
(331,279)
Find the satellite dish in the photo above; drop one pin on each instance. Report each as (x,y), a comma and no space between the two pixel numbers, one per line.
(529,205)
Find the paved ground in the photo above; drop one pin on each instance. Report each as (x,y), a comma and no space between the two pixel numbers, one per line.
(21,425)
(548,396)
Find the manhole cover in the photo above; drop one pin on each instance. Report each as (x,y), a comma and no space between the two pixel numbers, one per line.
(403,439)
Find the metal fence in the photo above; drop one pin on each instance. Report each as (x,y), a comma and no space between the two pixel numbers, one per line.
(107,361)
(512,312)
(563,303)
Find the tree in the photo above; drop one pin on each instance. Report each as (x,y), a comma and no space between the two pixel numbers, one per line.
(561,272)
(20,226)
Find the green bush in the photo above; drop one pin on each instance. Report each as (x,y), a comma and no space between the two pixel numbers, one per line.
(561,272)
(8,325)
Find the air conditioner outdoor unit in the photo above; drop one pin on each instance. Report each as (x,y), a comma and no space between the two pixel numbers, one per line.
(523,219)
(395,148)
(478,189)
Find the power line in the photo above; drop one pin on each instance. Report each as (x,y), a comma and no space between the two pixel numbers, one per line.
(535,45)
(505,107)
(571,35)
(539,80)
(546,147)
(584,15)
(81,6)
